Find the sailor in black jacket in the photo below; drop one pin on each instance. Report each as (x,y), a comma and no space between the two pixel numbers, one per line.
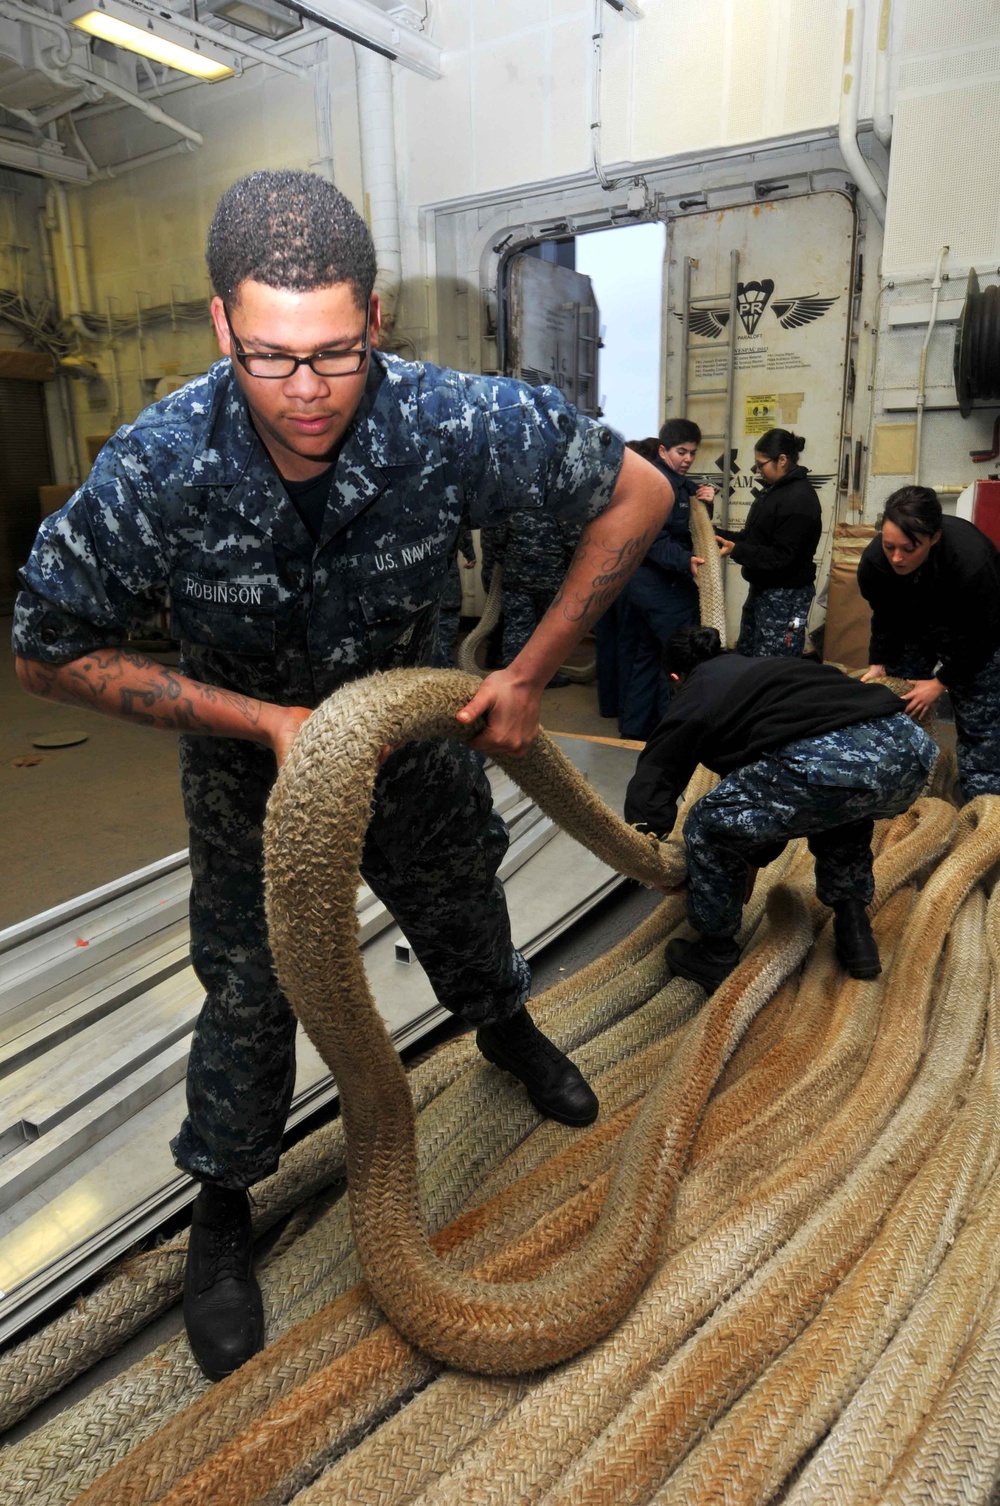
(775,549)
(933,584)
(803,751)
(662,595)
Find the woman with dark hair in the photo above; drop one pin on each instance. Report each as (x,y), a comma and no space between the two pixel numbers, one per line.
(775,550)
(802,750)
(933,584)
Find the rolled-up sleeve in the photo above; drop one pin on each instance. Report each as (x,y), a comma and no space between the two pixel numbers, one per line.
(540,452)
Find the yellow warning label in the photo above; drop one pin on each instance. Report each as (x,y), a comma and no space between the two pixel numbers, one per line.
(760,412)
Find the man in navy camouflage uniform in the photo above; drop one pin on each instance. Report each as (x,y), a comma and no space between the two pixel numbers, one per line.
(302,502)
(803,751)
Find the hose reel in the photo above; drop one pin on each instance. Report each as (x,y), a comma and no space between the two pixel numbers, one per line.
(977,347)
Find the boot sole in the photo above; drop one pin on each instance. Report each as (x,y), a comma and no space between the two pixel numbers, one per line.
(865,973)
(681,969)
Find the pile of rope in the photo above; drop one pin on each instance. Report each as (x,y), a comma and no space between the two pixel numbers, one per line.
(820,1315)
(805,1304)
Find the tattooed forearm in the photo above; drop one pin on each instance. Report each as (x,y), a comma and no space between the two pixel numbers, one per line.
(120,682)
(605,573)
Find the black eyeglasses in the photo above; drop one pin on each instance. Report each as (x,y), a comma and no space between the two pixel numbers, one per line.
(276,366)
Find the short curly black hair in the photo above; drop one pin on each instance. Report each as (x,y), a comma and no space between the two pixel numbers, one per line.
(289,230)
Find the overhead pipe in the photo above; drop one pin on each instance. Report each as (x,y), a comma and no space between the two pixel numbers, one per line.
(857,166)
(922,375)
(61,69)
(75,311)
(152,112)
(378,169)
(58,29)
(45,227)
(882,111)
(64,31)
(129,164)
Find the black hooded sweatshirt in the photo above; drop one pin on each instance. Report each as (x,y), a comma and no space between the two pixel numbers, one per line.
(950,606)
(776,545)
(732,710)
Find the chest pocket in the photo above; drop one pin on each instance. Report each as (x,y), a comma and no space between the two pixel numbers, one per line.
(234,616)
(396,613)
(519,455)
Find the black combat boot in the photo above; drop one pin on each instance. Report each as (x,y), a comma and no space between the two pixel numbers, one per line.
(223,1312)
(707,961)
(556,1088)
(852,934)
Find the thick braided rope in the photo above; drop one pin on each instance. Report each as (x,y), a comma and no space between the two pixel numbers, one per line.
(458,1408)
(527,1452)
(316,822)
(711,600)
(490,617)
(291,1439)
(902,1403)
(801,1393)
(469,1105)
(666,1417)
(237,1403)
(372,1419)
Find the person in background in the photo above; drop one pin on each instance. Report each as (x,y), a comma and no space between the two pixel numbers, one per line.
(775,550)
(662,595)
(933,584)
(802,750)
(610,635)
(450,609)
(534,551)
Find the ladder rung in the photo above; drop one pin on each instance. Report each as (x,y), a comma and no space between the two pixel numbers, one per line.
(707,391)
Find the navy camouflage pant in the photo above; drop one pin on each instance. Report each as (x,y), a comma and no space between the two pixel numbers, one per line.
(773,622)
(828,789)
(431,855)
(977,718)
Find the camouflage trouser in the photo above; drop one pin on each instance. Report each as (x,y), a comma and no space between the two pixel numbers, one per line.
(773,623)
(431,855)
(977,718)
(534,549)
(522,612)
(829,789)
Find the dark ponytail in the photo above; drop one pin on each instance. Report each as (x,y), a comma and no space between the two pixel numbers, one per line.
(689,647)
(780,442)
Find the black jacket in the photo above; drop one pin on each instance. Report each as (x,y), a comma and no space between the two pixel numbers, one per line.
(776,545)
(732,710)
(950,606)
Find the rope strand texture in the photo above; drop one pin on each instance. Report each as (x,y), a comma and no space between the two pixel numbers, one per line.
(316,822)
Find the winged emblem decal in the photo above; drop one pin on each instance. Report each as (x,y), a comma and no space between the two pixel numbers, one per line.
(752,299)
(793,312)
(709,323)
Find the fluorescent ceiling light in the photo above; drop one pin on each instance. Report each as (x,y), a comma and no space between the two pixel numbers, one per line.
(266,17)
(152,32)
